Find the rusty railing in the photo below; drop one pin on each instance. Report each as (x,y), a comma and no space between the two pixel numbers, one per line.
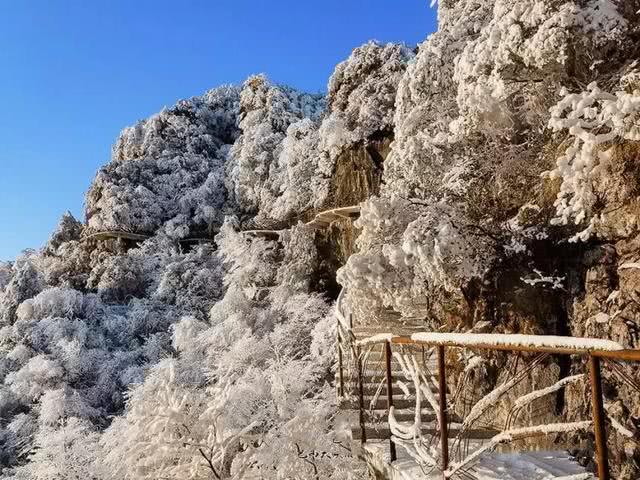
(515,346)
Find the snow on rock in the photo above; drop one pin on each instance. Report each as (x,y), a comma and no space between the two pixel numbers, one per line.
(541,279)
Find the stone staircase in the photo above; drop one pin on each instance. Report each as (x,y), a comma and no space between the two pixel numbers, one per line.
(375,391)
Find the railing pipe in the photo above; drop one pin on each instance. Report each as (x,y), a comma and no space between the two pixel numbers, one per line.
(444,424)
(598,418)
(387,358)
(594,357)
(340,368)
(629,355)
(363,430)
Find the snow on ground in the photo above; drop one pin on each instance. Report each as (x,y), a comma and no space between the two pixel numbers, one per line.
(542,465)
(530,466)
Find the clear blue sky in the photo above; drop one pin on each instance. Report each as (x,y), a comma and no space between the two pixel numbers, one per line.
(74,73)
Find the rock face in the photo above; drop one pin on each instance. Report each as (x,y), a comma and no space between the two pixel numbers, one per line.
(357,174)
(509,199)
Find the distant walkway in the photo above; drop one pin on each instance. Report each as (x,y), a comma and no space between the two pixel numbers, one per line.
(140,237)
(325,218)
(321,220)
(116,234)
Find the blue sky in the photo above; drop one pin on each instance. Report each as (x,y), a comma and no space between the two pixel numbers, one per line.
(74,73)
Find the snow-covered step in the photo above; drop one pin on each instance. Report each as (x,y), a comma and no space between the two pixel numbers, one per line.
(372,371)
(380,404)
(382,433)
(379,357)
(370,388)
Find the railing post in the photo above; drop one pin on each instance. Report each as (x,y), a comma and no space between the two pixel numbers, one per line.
(387,358)
(363,430)
(444,426)
(598,418)
(340,372)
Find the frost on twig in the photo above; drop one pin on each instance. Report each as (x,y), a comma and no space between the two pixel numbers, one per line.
(544,280)
(516,434)
(594,119)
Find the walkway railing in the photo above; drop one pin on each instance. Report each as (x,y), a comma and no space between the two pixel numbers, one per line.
(433,451)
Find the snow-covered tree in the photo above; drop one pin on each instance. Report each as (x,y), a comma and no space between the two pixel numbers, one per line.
(471,142)
(362,89)
(64,452)
(174,430)
(166,171)
(25,282)
(266,112)
(257,370)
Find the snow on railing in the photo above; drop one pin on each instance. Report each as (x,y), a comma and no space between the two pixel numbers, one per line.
(516,340)
(343,322)
(423,450)
(345,343)
(377,338)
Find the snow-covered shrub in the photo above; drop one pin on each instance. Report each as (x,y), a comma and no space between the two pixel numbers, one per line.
(191,282)
(300,258)
(5,275)
(445,248)
(35,378)
(302,171)
(173,430)
(524,39)
(68,229)
(118,278)
(53,302)
(268,335)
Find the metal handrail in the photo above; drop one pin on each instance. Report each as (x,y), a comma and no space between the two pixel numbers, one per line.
(496,342)
(621,354)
